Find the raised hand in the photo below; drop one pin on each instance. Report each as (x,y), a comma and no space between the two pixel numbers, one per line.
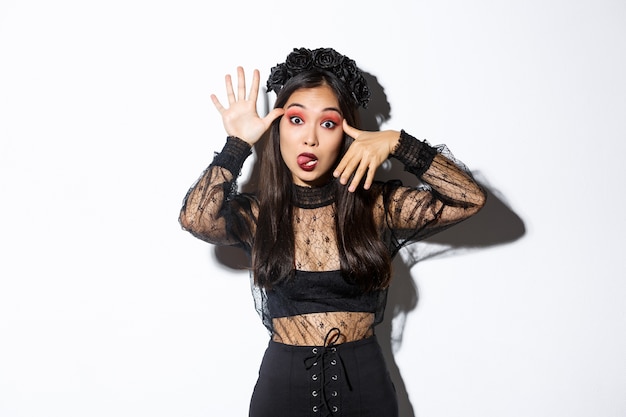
(368,151)
(241,118)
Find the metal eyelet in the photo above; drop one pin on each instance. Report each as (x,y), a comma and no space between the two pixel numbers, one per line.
(334,377)
(333,362)
(334,394)
(315,409)
(335,409)
(314,350)
(333,349)
(314,393)
(314,377)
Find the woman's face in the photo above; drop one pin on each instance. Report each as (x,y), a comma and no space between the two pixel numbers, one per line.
(311,135)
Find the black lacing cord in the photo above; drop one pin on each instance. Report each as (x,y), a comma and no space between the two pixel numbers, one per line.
(320,355)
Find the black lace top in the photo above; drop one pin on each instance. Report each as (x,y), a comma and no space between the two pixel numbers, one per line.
(300,311)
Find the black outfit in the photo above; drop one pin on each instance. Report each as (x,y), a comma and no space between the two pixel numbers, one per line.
(346,380)
(323,358)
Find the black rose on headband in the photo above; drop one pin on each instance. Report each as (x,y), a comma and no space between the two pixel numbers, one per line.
(327,58)
(303,59)
(299,60)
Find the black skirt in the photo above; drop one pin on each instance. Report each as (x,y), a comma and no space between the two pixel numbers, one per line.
(345,380)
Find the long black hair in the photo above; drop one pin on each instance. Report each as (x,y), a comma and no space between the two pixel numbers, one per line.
(363,258)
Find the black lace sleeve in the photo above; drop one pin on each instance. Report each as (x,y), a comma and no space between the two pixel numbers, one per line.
(213,210)
(448,193)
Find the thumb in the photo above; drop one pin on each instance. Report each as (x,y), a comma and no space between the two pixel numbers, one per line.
(273,115)
(349,130)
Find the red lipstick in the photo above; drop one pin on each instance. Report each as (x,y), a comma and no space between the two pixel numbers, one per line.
(307,161)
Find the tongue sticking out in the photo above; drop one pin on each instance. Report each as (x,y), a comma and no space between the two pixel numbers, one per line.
(307,160)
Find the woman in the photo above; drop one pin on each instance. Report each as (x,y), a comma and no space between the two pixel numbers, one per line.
(321,232)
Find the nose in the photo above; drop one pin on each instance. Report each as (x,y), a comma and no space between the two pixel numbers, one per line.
(310,137)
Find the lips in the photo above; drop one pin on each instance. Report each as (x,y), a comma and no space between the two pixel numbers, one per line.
(307,161)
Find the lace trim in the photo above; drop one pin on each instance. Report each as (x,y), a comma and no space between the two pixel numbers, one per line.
(314,197)
(233,155)
(416,155)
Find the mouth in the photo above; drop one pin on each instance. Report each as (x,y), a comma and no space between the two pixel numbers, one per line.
(307,161)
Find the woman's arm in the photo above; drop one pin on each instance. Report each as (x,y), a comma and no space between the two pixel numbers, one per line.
(451,194)
(212,210)
(212,203)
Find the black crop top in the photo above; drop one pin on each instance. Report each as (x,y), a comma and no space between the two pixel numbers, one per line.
(313,292)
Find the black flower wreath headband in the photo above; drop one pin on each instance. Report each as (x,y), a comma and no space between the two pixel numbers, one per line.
(303,59)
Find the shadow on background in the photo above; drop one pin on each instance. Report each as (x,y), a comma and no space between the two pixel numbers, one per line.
(495,224)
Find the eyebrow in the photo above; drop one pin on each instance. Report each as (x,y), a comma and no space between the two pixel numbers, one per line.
(323,110)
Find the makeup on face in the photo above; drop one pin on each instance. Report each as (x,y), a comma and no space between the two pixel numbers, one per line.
(311,134)
(307,161)
(295,113)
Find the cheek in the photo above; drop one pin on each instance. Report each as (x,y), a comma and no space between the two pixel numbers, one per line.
(284,148)
(334,148)
(338,144)
(287,133)
(287,151)
(283,134)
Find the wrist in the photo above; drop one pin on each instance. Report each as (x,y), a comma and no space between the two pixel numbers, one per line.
(233,154)
(416,155)
(394,141)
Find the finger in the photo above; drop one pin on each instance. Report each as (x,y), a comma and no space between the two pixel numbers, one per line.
(369,180)
(349,170)
(229,89)
(356,179)
(348,166)
(217,103)
(341,167)
(350,131)
(341,170)
(241,84)
(273,115)
(254,89)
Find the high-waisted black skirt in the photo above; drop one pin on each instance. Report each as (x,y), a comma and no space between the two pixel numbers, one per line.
(345,380)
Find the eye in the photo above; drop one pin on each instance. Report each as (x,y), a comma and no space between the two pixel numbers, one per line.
(296,120)
(329,124)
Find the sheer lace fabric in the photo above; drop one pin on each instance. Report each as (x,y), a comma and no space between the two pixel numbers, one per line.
(311,329)
(317,301)
(315,239)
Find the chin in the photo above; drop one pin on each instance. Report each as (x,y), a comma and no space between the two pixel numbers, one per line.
(315,182)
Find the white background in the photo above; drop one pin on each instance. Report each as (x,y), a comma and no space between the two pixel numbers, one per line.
(107,308)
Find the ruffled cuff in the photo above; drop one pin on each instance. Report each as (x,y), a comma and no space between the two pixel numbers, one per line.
(233,154)
(416,155)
